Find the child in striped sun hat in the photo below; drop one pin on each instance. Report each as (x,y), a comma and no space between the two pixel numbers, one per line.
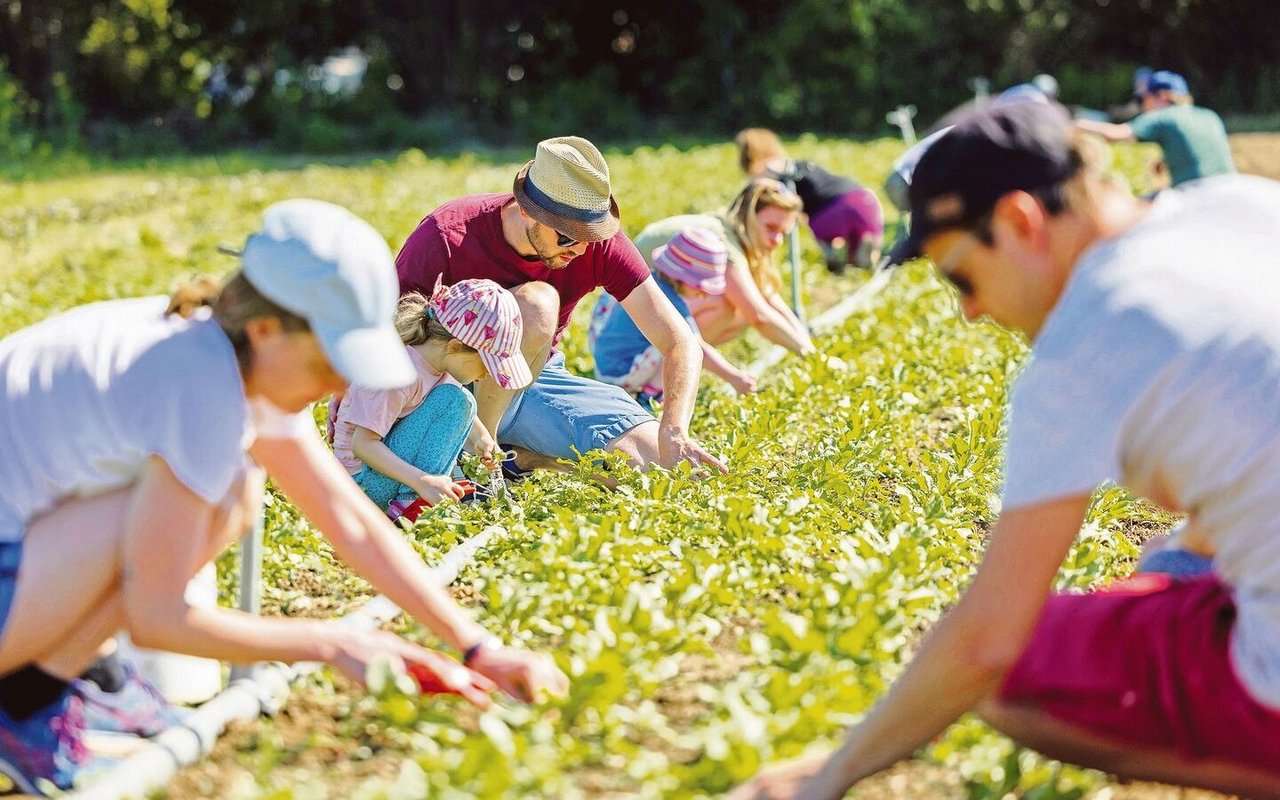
(400,444)
(690,265)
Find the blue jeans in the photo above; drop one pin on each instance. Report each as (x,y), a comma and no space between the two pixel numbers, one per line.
(561,411)
(430,438)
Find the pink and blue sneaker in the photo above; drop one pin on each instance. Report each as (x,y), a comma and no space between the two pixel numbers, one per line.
(46,751)
(137,708)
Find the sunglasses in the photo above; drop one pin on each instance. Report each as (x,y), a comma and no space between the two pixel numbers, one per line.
(564,241)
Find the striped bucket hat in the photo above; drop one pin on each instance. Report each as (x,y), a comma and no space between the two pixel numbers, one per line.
(566,188)
(480,313)
(695,256)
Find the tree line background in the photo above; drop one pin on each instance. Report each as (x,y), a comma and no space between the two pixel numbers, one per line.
(130,77)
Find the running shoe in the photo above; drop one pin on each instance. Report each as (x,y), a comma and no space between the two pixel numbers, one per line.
(138,708)
(46,751)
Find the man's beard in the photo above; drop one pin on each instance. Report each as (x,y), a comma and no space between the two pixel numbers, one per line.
(548,259)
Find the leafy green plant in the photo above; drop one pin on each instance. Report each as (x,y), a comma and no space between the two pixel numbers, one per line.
(708,625)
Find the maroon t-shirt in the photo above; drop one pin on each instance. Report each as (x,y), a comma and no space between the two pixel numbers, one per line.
(463,239)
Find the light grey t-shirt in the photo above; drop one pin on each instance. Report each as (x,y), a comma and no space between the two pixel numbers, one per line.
(86,397)
(1159,368)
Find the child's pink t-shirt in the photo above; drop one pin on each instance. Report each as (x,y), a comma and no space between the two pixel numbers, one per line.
(378,410)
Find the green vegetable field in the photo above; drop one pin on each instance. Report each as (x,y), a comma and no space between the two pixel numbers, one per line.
(708,626)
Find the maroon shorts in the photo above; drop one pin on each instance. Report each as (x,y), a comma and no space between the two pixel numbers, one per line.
(851,217)
(1147,663)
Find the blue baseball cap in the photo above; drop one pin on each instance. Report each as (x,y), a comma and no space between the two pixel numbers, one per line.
(987,154)
(1141,77)
(331,268)
(1164,80)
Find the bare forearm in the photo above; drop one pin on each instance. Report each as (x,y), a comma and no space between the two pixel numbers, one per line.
(681,367)
(362,536)
(229,635)
(390,563)
(717,364)
(940,684)
(478,437)
(779,329)
(792,322)
(491,403)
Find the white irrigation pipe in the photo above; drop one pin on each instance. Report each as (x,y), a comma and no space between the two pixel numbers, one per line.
(261,689)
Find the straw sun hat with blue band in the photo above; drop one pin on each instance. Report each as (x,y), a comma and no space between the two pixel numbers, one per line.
(566,188)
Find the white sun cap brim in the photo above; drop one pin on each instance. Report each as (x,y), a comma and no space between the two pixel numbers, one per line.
(373,358)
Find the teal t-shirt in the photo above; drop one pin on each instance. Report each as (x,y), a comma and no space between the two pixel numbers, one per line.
(1192,138)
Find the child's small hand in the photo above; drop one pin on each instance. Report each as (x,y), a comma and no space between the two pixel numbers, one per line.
(434,488)
(743,383)
(482,443)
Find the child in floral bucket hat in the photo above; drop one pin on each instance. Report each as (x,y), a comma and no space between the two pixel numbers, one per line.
(400,444)
(690,265)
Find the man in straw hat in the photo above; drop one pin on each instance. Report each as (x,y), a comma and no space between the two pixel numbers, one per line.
(551,241)
(1146,369)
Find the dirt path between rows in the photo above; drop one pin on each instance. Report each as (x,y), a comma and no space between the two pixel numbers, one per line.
(1257,153)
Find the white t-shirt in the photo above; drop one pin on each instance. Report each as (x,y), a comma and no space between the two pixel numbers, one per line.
(86,397)
(1159,368)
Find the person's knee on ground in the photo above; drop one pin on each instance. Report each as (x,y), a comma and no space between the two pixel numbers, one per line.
(237,513)
(540,314)
(639,444)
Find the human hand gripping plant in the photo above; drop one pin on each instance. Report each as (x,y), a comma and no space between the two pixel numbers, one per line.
(435,488)
(359,652)
(525,675)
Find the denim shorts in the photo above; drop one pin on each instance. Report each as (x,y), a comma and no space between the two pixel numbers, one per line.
(561,411)
(10,559)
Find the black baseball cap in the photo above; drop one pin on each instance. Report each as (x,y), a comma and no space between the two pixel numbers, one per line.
(990,152)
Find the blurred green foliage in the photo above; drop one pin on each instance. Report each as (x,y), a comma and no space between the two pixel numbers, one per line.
(135,77)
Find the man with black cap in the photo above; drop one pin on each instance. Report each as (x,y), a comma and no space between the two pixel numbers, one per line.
(552,240)
(1155,364)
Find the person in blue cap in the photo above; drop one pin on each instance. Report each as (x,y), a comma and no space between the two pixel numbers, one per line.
(1192,139)
(137,435)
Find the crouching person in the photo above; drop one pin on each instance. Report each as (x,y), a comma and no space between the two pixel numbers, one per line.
(136,434)
(688,267)
(400,444)
(1145,370)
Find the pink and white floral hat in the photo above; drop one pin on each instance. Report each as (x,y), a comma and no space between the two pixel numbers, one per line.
(482,314)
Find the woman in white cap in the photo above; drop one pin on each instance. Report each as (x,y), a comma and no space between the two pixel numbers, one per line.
(135,435)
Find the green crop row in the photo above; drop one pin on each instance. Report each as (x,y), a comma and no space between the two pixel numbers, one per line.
(707,625)
(711,625)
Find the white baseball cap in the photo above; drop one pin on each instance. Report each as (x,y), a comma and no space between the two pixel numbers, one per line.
(333,269)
